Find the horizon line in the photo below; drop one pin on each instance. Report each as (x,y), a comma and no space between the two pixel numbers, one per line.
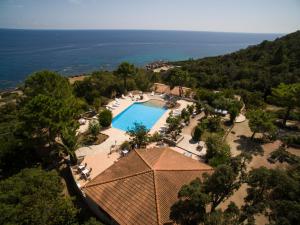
(113,29)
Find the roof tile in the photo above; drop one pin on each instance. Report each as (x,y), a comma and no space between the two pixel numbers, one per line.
(141,187)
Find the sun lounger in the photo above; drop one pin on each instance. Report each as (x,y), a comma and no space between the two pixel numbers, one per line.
(86,172)
(81,167)
(152,93)
(110,107)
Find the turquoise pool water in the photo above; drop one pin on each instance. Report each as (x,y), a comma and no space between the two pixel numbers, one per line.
(145,113)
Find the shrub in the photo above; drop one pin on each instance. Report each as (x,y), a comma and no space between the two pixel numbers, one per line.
(197,133)
(155,137)
(94,128)
(292,140)
(105,118)
(125,145)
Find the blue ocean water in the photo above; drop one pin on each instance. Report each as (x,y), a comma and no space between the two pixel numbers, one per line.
(140,113)
(71,52)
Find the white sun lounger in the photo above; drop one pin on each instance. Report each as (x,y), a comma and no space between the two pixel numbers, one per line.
(110,107)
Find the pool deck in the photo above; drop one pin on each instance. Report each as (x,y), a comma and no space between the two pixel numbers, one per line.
(100,157)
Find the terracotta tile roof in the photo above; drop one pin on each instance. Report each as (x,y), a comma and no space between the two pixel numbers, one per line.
(161,88)
(141,187)
(167,159)
(176,90)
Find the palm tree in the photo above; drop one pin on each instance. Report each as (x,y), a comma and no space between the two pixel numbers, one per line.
(70,143)
(125,69)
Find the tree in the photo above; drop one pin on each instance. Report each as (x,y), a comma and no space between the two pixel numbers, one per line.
(217,152)
(221,185)
(105,118)
(138,134)
(35,197)
(279,56)
(45,117)
(288,96)
(92,221)
(70,143)
(124,70)
(174,125)
(190,209)
(197,133)
(190,109)
(260,121)
(48,106)
(94,128)
(97,104)
(282,155)
(185,115)
(180,78)
(229,216)
(234,112)
(208,110)
(196,198)
(212,124)
(275,193)
(47,83)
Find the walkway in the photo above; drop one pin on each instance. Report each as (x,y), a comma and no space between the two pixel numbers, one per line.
(187,143)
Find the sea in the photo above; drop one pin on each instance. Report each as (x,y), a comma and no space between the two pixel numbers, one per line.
(74,52)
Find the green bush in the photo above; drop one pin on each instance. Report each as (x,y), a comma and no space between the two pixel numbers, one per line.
(105,118)
(94,128)
(292,140)
(294,115)
(197,133)
(155,137)
(125,145)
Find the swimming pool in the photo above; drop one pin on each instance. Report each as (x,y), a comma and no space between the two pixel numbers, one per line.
(146,113)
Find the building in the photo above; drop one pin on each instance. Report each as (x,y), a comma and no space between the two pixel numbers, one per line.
(140,188)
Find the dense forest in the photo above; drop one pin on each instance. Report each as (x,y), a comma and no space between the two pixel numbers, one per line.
(257,68)
(38,124)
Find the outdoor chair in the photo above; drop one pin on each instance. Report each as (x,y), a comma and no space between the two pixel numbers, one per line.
(81,167)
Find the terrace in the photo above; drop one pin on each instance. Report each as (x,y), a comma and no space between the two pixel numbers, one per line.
(108,152)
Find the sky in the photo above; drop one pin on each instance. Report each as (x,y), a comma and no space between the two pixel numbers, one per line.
(252,16)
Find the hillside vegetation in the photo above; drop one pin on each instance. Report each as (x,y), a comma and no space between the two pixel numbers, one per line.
(256,68)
